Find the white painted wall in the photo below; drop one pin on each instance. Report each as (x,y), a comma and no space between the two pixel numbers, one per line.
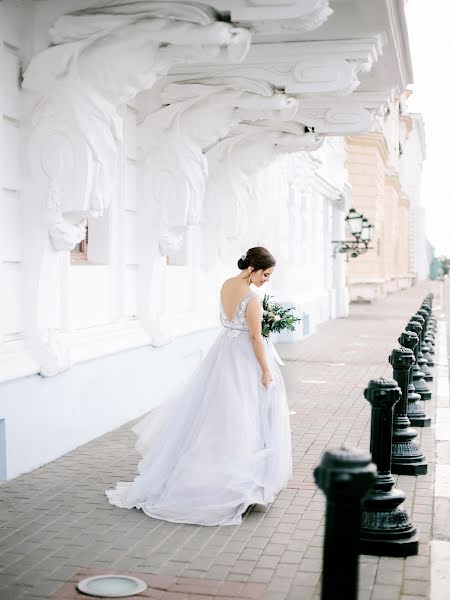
(44,418)
(11,321)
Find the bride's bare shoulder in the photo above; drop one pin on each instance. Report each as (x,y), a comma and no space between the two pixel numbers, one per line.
(233,288)
(228,283)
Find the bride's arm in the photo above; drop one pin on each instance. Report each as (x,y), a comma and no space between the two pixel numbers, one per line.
(254,330)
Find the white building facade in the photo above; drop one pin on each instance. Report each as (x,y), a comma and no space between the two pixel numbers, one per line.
(178,135)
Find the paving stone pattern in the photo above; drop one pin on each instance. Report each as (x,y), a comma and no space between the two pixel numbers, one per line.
(55,522)
(169,587)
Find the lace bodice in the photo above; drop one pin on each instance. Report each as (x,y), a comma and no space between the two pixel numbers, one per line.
(238,324)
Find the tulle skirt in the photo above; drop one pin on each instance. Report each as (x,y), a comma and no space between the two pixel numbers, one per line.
(220,444)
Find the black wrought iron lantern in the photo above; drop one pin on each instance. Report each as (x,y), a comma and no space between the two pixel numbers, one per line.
(354,221)
(361,230)
(366,231)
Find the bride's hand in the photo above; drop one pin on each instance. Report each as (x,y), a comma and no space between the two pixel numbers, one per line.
(266,378)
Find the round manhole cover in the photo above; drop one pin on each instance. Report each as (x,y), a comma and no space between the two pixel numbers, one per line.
(111,586)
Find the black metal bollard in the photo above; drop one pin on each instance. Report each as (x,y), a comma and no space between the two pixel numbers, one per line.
(407,456)
(431,351)
(421,360)
(415,411)
(386,529)
(425,338)
(344,476)
(432,327)
(420,384)
(432,323)
(429,336)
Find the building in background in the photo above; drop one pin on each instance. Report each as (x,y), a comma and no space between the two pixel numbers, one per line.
(385,171)
(411,166)
(143,148)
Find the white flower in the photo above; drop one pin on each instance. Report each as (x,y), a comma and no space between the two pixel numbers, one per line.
(277,318)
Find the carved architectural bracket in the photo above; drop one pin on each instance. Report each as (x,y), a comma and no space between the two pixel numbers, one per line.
(336,120)
(79,83)
(348,115)
(301,67)
(277,10)
(269,17)
(74,90)
(173,140)
(246,150)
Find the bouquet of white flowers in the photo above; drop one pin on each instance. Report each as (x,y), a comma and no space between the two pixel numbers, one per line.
(276,318)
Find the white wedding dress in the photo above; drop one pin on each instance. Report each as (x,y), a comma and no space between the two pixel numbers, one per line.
(220,444)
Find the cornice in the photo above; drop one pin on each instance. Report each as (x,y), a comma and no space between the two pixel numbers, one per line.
(374,140)
(397,17)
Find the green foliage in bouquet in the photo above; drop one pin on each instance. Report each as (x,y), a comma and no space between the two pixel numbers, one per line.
(276,318)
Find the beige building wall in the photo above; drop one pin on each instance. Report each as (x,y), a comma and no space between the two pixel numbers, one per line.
(376,192)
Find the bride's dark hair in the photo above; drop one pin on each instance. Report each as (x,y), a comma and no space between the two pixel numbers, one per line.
(258,258)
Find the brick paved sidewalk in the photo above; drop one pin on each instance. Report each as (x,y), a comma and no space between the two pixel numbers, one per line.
(55,521)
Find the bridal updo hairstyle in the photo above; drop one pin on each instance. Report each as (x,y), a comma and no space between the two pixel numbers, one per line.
(258,258)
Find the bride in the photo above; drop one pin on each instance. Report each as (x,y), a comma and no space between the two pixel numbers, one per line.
(223,442)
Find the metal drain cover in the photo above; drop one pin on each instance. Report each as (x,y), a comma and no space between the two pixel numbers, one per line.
(111,586)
